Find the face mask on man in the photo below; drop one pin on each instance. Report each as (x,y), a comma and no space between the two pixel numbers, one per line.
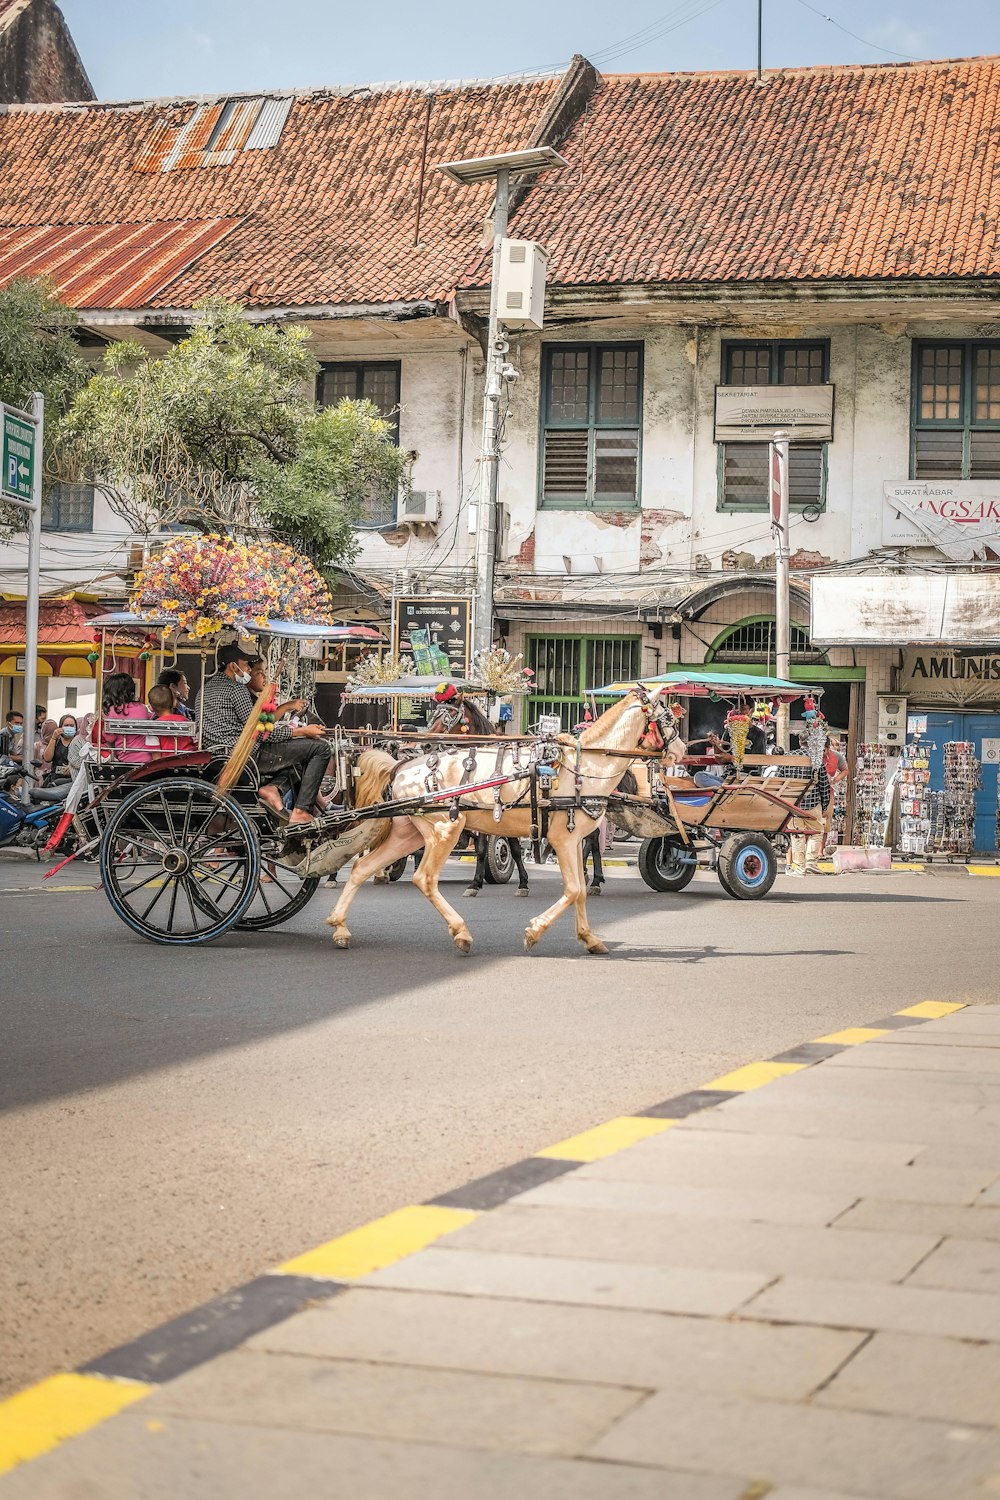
(16,728)
(242,678)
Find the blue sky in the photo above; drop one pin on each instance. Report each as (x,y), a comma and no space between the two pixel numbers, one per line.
(143,48)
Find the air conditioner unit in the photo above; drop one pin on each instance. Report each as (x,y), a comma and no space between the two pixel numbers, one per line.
(420,507)
(521,287)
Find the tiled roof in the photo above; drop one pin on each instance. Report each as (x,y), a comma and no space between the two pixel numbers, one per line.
(327,213)
(61,622)
(108,265)
(846,172)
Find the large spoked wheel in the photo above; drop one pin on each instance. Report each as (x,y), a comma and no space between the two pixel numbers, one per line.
(666,864)
(281,894)
(499,861)
(747,866)
(180,862)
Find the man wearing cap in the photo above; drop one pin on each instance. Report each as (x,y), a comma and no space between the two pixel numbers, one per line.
(226,704)
(454,716)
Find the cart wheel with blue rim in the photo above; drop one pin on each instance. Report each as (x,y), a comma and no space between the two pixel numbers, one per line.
(747,866)
(180,861)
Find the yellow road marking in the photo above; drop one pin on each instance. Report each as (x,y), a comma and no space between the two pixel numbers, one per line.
(983,869)
(69,887)
(60,1407)
(378,1244)
(853,1036)
(605,1140)
(930,1010)
(753,1076)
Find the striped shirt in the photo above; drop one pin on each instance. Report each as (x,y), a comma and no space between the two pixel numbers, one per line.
(225,707)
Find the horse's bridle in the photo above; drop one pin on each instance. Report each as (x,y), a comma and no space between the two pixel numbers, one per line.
(657,717)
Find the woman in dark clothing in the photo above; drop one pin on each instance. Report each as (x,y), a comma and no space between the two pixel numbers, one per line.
(55,756)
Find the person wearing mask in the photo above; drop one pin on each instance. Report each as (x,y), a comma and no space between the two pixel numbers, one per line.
(55,756)
(12,734)
(174,679)
(226,704)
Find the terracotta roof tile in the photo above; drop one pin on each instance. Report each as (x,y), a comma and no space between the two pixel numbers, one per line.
(326,215)
(847,172)
(61,622)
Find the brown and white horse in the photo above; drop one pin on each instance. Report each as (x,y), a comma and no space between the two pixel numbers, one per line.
(637,720)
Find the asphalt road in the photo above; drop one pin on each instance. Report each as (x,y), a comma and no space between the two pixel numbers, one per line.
(174,1122)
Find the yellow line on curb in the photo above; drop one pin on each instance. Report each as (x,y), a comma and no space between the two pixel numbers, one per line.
(381,1243)
(60,1407)
(605,1140)
(753,1076)
(983,869)
(930,1010)
(853,1036)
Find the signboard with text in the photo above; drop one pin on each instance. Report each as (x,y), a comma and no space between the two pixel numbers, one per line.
(17,455)
(925,512)
(958,679)
(437,633)
(754,413)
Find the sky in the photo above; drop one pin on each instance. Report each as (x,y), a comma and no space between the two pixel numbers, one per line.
(148,48)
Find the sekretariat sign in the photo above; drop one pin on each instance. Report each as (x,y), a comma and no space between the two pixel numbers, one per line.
(959,679)
(754,413)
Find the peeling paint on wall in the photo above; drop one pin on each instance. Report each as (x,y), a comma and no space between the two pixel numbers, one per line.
(654,522)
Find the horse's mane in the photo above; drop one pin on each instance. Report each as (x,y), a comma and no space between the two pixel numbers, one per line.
(608,719)
(374,769)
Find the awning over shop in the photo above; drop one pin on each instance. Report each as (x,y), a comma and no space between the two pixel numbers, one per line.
(902,609)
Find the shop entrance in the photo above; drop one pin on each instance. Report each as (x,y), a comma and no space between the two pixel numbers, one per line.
(975,727)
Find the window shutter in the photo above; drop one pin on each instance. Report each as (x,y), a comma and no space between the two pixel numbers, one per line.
(938,453)
(566,455)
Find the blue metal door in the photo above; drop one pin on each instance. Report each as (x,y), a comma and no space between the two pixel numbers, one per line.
(956,725)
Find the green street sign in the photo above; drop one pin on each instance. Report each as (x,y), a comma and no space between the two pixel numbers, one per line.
(18,456)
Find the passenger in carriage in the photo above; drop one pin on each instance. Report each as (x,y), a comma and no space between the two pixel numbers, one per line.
(118,701)
(161,702)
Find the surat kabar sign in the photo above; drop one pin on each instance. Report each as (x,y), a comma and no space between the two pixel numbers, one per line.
(960,518)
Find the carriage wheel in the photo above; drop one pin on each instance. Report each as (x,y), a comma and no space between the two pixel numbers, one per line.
(666,864)
(747,866)
(499,861)
(180,862)
(281,893)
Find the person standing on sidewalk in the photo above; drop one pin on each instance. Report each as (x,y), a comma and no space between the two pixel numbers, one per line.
(835,764)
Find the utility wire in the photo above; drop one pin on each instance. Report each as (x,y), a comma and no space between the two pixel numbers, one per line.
(854,35)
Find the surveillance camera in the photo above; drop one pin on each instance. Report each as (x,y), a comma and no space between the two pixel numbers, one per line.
(510,373)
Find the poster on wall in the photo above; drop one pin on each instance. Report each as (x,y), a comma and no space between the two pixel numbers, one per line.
(960,518)
(437,633)
(754,413)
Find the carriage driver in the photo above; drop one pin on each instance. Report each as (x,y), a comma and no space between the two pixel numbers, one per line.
(226,704)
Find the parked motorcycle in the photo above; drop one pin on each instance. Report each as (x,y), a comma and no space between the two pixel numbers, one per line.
(27,825)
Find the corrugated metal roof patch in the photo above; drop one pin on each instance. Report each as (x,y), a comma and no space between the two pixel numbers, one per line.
(214,135)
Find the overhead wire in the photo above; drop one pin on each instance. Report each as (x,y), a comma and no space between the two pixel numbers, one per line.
(888,51)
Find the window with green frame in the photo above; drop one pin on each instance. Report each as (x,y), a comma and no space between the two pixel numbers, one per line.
(565,666)
(956,410)
(743,467)
(591,425)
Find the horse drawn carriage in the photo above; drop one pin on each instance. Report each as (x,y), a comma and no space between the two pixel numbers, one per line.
(738,809)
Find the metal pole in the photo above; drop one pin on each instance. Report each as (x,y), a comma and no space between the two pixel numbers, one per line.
(760,41)
(31,599)
(782,601)
(486,518)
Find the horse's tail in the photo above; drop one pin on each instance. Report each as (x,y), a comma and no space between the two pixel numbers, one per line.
(374,772)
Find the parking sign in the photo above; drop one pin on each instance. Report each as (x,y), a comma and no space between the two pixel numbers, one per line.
(18,455)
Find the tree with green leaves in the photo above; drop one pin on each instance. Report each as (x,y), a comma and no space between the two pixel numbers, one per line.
(38,352)
(223,432)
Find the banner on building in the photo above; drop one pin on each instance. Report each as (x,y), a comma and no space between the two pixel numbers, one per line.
(961,517)
(906,609)
(754,413)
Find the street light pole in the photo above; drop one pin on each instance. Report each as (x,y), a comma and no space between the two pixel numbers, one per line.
(31,599)
(782,601)
(489,473)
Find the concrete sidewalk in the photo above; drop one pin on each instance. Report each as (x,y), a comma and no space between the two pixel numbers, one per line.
(784,1284)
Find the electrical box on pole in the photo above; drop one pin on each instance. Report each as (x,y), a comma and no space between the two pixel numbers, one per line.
(523,267)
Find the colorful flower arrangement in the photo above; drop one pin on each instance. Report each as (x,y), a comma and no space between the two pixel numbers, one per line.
(211,582)
(501,673)
(374,670)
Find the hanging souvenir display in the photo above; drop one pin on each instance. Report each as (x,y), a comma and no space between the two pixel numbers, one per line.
(870,767)
(813,738)
(962,780)
(914,809)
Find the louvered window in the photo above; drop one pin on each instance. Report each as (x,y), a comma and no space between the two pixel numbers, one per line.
(956,410)
(379,384)
(592,415)
(743,467)
(566,666)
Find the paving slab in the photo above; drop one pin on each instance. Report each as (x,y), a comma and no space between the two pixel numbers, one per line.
(849,1119)
(638,1349)
(991,1196)
(777,1146)
(946,1380)
(700,1167)
(922,1218)
(886,1081)
(980,1153)
(711,1244)
(925,1036)
(891,1457)
(807,1492)
(514,1414)
(877,1305)
(961,1265)
(883,1053)
(177,1458)
(534,1278)
(702,1202)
